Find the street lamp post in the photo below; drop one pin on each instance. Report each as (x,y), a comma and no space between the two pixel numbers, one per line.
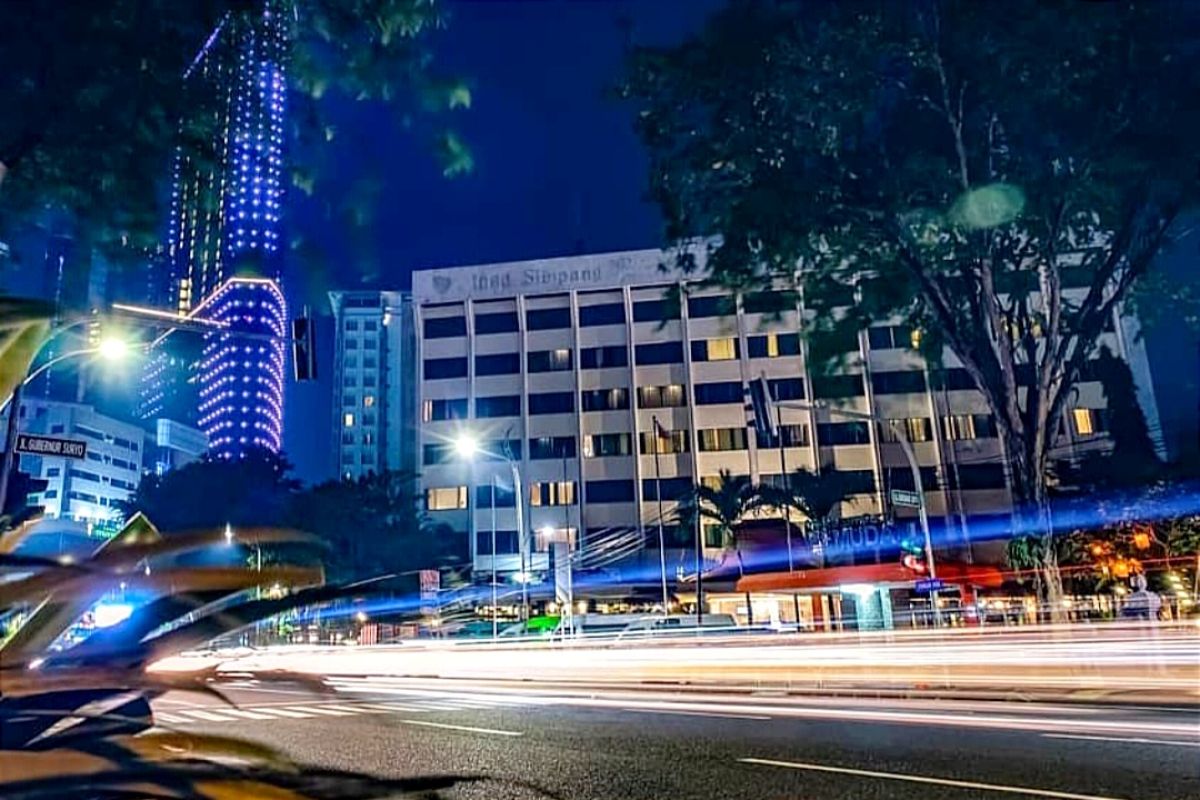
(662,545)
(111,349)
(918,486)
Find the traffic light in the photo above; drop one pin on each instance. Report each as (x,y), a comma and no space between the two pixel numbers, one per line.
(912,554)
(20,486)
(304,348)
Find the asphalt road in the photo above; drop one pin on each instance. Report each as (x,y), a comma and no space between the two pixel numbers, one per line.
(596,742)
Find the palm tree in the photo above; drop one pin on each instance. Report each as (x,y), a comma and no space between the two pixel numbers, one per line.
(726,505)
(817,496)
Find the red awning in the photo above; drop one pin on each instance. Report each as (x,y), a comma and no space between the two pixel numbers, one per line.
(980,576)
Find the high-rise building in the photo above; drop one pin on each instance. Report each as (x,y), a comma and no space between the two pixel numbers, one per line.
(612,403)
(223,250)
(374,420)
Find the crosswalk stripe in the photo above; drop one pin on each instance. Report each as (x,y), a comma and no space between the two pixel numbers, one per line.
(206,716)
(352,709)
(246,713)
(285,712)
(438,706)
(321,710)
(403,707)
(162,716)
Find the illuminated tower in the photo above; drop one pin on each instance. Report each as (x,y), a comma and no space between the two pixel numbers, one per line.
(223,248)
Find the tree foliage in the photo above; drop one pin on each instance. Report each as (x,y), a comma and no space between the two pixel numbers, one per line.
(1000,175)
(93,103)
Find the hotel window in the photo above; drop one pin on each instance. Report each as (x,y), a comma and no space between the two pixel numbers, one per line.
(1088,421)
(505,497)
(498,364)
(604,399)
(711,394)
(550,360)
(965,427)
(792,435)
(786,388)
(446,498)
(659,353)
(893,337)
(831,386)
(858,481)
(543,319)
(773,345)
(599,445)
(724,349)
(552,493)
(916,429)
(604,357)
(899,382)
(711,306)
(543,447)
(439,453)
(669,396)
(672,489)
(606,314)
(505,405)
(438,410)
(843,433)
(443,368)
(551,403)
(976,476)
(721,439)
(773,302)
(610,491)
(370,325)
(348,420)
(445,327)
(369,401)
(901,478)
(349,400)
(503,322)
(669,442)
(654,311)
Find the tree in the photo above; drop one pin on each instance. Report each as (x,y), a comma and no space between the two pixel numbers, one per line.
(93,103)
(818,496)
(1000,175)
(372,526)
(255,490)
(726,505)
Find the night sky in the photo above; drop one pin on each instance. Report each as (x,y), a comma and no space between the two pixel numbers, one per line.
(558,169)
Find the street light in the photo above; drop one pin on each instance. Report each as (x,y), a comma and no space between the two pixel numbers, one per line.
(111,349)
(466,446)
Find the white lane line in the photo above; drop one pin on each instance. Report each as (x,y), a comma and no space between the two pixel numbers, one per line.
(400,707)
(354,709)
(246,713)
(466,728)
(289,713)
(896,776)
(439,706)
(322,710)
(1131,739)
(162,716)
(207,716)
(696,713)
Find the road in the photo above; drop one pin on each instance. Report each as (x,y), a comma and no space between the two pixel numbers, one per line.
(611,742)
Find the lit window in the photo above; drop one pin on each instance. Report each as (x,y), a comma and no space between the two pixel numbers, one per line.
(1085,421)
(348,420)
(369,401)
(721,349)
(446,498)
(772,346)
(554,493)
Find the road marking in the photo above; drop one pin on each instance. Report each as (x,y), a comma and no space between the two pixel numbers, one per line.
(439,706)
(290,713)
(162,716)
(467,728)
(322,710)
(400,707)
(895,776)
(1131,739)
(696,713)
(207,716)
(246,713)
(354,709)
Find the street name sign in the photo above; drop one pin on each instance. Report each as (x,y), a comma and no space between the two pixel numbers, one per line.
(49,446)
(929,585)
(903,497)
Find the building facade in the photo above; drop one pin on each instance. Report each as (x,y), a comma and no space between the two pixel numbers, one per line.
(85,491)
(223,250)
(374,425)
(611,402)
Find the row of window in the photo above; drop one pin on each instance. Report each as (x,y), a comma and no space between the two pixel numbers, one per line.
(367,325)
(368,362)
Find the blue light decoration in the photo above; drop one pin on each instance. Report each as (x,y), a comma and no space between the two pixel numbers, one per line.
(223,245)
(241,370)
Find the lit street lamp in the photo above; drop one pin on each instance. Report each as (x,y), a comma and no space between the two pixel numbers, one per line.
(110,349)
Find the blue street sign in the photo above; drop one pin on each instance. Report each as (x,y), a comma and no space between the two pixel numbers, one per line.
(929,585)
